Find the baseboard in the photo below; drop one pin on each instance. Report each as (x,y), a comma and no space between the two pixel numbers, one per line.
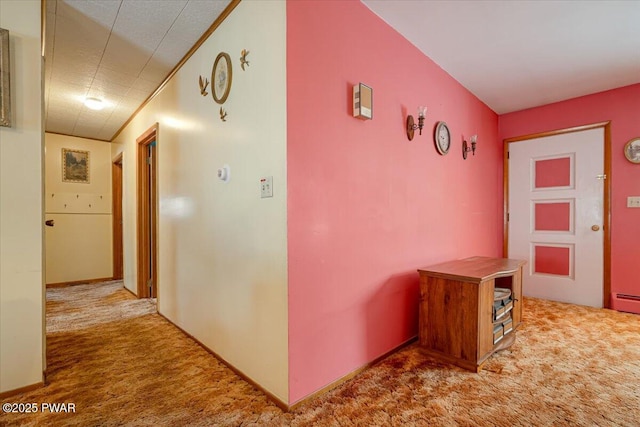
(133,293)
(78,282)
(281,404)
(626,303)
(24,389)
(350,375)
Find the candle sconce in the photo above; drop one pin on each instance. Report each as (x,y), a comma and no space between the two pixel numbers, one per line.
(466,148)
(412,126)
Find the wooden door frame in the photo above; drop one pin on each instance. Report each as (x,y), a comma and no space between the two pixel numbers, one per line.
(606,219)
(116,210)
(144,231)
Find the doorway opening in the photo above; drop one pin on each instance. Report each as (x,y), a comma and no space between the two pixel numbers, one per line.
(147,202)
(116,189)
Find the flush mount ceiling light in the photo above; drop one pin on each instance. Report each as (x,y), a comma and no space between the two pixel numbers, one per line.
(94,103)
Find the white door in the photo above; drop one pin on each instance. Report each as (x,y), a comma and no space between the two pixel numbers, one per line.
(556,204)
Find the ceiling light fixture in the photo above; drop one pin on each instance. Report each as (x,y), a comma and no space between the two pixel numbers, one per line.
(94,103)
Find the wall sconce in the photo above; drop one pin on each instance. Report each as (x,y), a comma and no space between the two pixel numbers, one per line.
(412,126)
(466,148)
(363,102)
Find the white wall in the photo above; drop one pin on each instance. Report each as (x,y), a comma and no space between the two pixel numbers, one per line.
(21,218)
(79,245)
(223,249)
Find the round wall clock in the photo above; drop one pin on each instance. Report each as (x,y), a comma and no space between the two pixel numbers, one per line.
(442,138)
(632,150)
(221,78)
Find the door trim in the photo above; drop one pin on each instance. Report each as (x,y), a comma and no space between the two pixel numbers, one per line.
(116,210)
(606,215)
(144,230)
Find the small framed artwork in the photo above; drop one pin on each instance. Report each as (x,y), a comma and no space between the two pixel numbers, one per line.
(5,81)
(221,77)
(363,102)
(632,150)
(75,166)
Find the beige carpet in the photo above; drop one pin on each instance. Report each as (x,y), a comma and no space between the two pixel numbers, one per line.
(122,364)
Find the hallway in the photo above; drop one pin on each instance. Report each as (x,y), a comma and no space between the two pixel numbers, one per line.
(121,363)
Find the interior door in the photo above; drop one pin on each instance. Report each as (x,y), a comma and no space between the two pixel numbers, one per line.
(151,219)
(556,215)
(116,189)
(146,200)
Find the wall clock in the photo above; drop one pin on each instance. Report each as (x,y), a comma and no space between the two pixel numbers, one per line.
(221,78)
(442,138)
(632,150)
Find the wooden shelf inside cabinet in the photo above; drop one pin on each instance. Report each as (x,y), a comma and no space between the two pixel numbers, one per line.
(456,308)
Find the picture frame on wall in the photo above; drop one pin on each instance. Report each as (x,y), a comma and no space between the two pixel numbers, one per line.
(221,77)
(75,166)
(5,80)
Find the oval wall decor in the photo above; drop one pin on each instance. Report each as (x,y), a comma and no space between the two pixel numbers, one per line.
(221,77)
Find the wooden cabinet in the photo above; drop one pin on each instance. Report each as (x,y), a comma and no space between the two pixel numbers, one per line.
(456,308)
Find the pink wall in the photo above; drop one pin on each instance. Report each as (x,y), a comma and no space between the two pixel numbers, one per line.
(367,207)
(622,107)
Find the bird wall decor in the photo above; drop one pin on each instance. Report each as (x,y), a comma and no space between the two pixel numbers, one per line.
(203,86)
(223,115)
(243,58)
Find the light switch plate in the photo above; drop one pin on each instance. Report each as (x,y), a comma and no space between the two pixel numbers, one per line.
(266,187)
(633,202)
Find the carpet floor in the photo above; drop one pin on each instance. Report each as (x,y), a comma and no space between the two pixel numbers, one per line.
(120,363)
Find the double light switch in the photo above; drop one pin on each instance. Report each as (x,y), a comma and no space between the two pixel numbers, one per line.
(266,187)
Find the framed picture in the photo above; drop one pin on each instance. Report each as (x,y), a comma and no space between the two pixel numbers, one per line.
(632,150)
(5,82)
(221,77)
(75,166)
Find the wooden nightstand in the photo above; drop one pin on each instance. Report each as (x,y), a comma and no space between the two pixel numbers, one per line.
(457,308)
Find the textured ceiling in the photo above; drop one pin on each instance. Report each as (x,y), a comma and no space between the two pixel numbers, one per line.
(520,54)
(510,54)
(117,50)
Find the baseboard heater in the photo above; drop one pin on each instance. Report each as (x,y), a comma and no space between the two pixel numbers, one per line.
(625,302)
(628,297)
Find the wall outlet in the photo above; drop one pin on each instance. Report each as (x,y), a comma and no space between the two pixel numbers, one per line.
(633,202)
(266,187)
